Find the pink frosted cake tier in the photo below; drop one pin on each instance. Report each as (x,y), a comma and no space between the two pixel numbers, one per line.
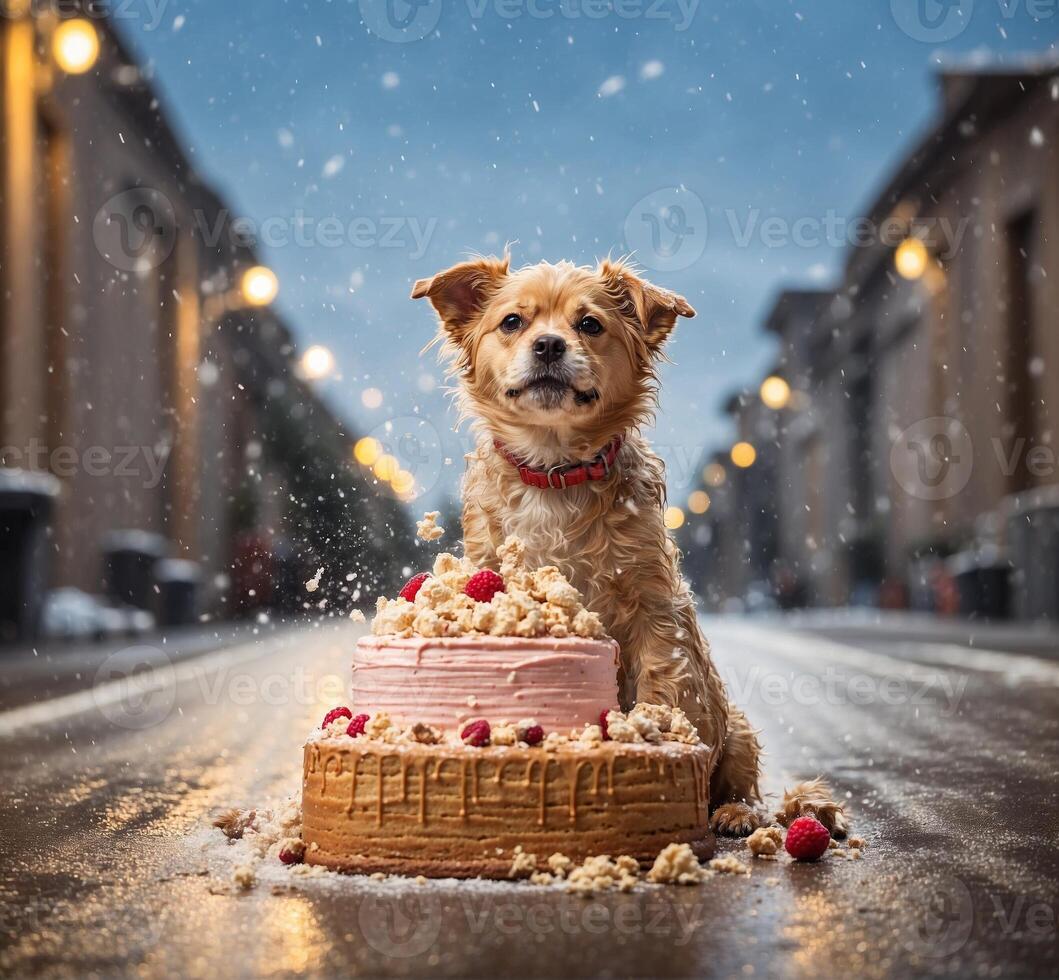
(562,683)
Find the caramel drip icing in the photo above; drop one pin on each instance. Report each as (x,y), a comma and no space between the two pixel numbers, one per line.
(337,759)
(597,773)
(474,780)
(353,786)
(463,789)
(499,771)
(404,779)
(610,776)
(574,775)
(544,791)
(381,779)
(423,792)
(312,761)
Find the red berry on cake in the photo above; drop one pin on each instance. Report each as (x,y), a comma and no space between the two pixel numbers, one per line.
(807,839)
(412,586)
(336,713)
(483,585)
(603,724)
(356,725)
(533,735)
(476,733)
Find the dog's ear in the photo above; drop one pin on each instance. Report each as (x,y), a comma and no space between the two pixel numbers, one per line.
(458,294)
(655,309)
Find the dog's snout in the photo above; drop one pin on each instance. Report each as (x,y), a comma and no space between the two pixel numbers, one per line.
(549,348)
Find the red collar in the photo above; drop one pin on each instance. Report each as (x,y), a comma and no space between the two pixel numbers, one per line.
(565,475)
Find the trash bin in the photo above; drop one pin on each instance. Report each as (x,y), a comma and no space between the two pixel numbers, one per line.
(981,581)
(1033,546)
(26,502)
(128,566)
(178,586)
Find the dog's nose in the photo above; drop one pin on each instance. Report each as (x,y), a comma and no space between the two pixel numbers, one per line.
(549,348)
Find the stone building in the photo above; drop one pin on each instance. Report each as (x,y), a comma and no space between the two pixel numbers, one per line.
(924,385)
(131,368)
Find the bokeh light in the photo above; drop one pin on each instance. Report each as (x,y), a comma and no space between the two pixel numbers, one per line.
(673,518)
(75,46)
(743,455)
(699,502)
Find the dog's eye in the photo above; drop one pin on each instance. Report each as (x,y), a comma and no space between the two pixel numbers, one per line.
(511,323)
(591,326)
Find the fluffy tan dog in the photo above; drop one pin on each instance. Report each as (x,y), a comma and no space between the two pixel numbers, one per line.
(554,362)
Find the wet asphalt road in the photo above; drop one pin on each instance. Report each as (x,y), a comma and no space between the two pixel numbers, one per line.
(948,758)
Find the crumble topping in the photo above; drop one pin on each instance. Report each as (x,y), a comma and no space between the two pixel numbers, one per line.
(536,603)
(729,864)
(428,528)
(765,841)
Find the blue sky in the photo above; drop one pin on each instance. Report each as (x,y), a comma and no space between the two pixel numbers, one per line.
(396,159)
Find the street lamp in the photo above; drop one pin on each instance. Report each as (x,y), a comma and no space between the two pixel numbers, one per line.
(910,259)
(743,455)
(713,474)
(673,518)
(75,46)
(259,286)
(366,451)
(699,502)
(775,392)
(317,362)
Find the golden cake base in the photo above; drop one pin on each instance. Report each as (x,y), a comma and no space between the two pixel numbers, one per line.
(458,811)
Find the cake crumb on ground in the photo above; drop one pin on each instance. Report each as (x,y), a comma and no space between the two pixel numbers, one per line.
(314,583)
(765,841)
(676,864)
(428,528)
(357,616)
(600,873)
(244,877)
(523,864)
(728,864)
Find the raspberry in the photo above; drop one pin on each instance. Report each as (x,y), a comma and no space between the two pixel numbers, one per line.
(603,724)
(336,713)
(356,726)
(533,735)
(807,839)
(484,585)
(476,733)
(411,587)
(292,851)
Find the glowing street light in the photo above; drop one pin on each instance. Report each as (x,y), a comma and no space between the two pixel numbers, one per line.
(317,362)
(910,259)
(259,286)
(673,518)
(386,467)
(714,475)
(366,451)
(743,455)
(775,392)
(75,46)
(402,482)
(699,502)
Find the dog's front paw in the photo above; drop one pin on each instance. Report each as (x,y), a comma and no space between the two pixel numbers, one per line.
(813,798)
(735,820)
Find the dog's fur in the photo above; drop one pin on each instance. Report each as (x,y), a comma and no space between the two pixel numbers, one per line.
(608,536)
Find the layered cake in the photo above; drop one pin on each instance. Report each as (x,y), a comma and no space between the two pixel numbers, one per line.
(483,724)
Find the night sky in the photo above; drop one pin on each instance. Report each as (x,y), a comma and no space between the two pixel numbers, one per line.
(395,160)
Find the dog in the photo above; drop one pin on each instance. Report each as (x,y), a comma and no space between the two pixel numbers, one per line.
(556,365)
